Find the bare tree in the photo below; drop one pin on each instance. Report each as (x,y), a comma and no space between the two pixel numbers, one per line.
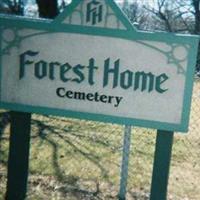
(136,14)
(173,16)
(47,8)
(12,7)
(176,16)
(179,16)
(196,13)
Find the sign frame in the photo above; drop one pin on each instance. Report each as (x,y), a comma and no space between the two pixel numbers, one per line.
(130,33)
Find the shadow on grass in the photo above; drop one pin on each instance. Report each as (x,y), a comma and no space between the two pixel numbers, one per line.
(4,121)
(44,132)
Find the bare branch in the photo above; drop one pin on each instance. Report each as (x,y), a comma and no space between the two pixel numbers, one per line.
(160,4)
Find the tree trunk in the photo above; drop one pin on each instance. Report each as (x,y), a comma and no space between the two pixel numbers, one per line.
(47,8)
(197,15)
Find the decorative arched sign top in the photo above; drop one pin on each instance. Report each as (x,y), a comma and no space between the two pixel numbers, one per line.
(91,63)
(95,13)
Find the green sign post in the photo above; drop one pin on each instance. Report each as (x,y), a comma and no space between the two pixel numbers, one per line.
(91,63)
(18,156)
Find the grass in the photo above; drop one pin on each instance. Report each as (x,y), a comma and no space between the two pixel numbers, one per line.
(77,159)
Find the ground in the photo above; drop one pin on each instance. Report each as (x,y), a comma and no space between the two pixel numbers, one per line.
(76,159)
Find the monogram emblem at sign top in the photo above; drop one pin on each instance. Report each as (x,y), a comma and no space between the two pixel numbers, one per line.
(94,12)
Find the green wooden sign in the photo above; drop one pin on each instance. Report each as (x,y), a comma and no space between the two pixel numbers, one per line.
(91,63)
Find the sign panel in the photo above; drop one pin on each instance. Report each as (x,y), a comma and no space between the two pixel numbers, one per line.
(91,63)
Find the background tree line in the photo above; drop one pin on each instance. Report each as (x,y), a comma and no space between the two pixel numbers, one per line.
(177,16)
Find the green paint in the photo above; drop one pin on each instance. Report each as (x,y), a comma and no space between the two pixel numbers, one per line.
(18,156)
(159,81)
(114,71)
(95,117)
(23,62)
(40,69)
(94,12)
(52,67)
(164,142)
(137,81)
(144,77)
(190,43)
(170,54)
